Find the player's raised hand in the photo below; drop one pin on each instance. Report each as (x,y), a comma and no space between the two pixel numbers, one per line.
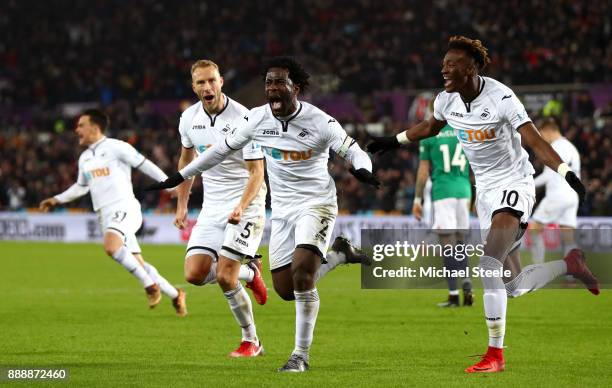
(172,181)
(365,176)
(235,215)
(382,143)
(417,210)
(576,184)
(47,204)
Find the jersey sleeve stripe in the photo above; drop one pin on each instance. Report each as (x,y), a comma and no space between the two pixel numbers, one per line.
(523,123)
(144,159)
(233,149)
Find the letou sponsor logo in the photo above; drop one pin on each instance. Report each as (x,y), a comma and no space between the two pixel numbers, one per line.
(476,135)
(97,173)
(294,156)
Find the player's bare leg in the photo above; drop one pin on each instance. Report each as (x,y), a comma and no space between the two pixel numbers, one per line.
(115,248)
(177,295)
(200,269)
(240,305)
(303,271)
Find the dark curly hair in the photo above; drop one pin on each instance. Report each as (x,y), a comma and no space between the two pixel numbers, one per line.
(473,47)
(297,74)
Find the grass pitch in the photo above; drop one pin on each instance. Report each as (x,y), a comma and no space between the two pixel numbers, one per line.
(69,306)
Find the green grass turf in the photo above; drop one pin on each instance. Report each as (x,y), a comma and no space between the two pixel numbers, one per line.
(70,306)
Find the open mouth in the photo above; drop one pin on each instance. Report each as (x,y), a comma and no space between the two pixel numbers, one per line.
(209,98)
(447,82)
(275,102)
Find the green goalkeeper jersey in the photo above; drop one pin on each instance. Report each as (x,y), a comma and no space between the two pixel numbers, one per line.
(450,170)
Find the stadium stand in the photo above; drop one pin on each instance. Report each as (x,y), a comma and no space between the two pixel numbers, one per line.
(353,50)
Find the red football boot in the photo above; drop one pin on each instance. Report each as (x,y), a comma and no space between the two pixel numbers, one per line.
(576,266)
(491,362)
(257,285)
(248,349)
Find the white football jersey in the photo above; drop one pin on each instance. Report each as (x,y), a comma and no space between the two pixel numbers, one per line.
(556,186)
(106,168)
(296,151)
(487,129)
(224,183)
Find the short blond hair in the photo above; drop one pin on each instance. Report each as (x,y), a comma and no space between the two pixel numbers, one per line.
(204,63)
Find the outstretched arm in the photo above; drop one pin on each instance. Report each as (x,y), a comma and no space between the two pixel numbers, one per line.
(239,138)
(150,169)
(424,129)
(75,191)
(548,156)
(213,156)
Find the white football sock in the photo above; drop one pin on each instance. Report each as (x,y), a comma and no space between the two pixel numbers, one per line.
(167,288)
(241,307)
(129,262)
(333,259)
(246,273)
(538,249)
(306,310)
(495,302)
(535,276)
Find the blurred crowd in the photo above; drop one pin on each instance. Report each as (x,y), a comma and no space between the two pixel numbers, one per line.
(123,55)
(39,161)
(107,50)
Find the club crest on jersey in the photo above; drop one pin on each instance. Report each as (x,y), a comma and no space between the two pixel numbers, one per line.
(295,156)
(303,134)
(269,132)
(476,135)
(485,114)
(198,126)
(226,129)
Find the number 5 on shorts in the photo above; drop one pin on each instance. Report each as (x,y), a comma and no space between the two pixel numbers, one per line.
(247,230)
